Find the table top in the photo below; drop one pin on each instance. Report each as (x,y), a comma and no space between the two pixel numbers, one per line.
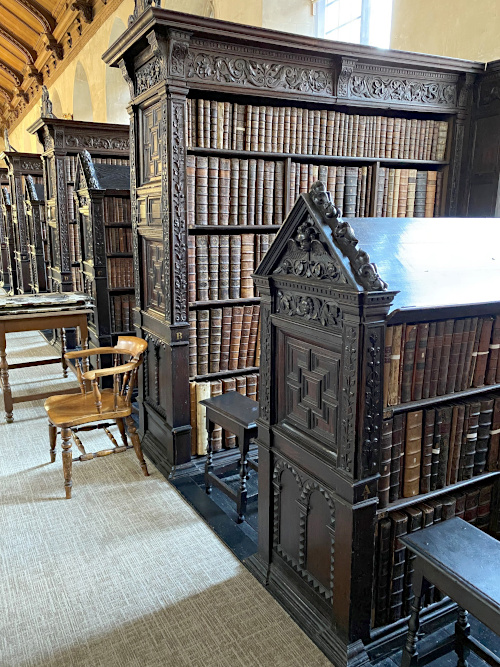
(236,407)
(44,303)
(463,552)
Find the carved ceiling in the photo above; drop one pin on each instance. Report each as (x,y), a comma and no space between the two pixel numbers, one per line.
(36,38)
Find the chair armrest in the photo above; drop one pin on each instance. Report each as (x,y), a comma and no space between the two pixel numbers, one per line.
(114,370)
(81,354)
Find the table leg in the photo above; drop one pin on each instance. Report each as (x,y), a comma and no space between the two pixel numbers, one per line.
(410,653)
(53,441)
(63,352)
(4,377)
(209,463)
(462,630)
(241,502)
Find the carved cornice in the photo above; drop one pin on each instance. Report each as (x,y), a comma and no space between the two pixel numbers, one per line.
(364,271)
(140,6)
(397,85)
(86,141)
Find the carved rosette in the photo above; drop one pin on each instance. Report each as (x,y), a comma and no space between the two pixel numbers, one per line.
(347,441)
(373,402)
(178,213)
(309,308)
(265,363)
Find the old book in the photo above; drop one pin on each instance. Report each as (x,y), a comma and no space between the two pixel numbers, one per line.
(383,572)
(439,195)
(470,441)
(482,352)
(216,390)
(251,191)
(252,342)
(492,364)
(389,135)
(213,123)
(420,194)
(471,506)
(201,190)
(225,338)
(240,138)
(203,340)
(460,505)
(234,190)
(385,463)
(427,446)
(429,354)
(340,188)
(245,336)
(415,519)
(252,386)
(220,125)
(383,137)
(247,266)
(213,266)
(254,129)
(436,449)
(202,392)
(443,414)
(351,185)
(475,349)
(398,427)
(484,507)
(493,452)
(413,452)
(222,206)
(420,358)
(441,140)
(293,131)
(241,384)
(401,364)
(399,528)
(193,409)
(234,266)
(390,193)
(461,368)
(201,124)
(379,194)
(278,193)
(387,363)
(456,442)
(224,264)
(483,434)
(191,269)
(452,441)
(408,359)
(243,193)
(436,357)
(190,190)
(445,356)
(215,339)
(430,194)
(449,505)
(237,321)
(392,395)
(268,201)
(202,270)
(395,199)
(456,342)
(403,193)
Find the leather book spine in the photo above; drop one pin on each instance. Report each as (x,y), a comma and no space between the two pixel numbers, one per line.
(226,137)
(293,131)
(224,263)
(259,193)
(191,270)
(399,528)
(456,444)
(234,266)
(410,200)
(402,361)
(225,338)
(363,194)
(257,346)
(202,392)
(398,426)
(193,406)
(278,192)
(460,505)
(304,178)
(193,348)
(429,353)
(427,445)
(452,441)
(402,138)
(393,384)
(331,180)
(323,174)
(241,384)
(201,190)
(395,198)
(426,151)
(248,127)
(403,193)
(408,359)
(443,414)
(385,203)
(243,193)
(491,367)
(268,128)
(245,336)
(190,190)
(293,185)
(493,452)
(439,194)
(262,128)
(330,129)
(385,464)
(413,453)
(389,137)
(436,449)
(213,266)
(216,390)
(482,352)
(252,341)
(269,168)
(336,132)
(456,343)
(234,189)
(378,132)
(383,572)
(390,192)
(340,188)
(445,356)
(318,133)
(461,368)
(240,139)
(351,184)
(430,194)
(252,380)
(475,348)
(484,507)
(201,123)
(414,523)
(435,132)
(220,125)
(396,134)
(471,506)
(213,124)
(471,440)
(303,130)
(387,363)
(360,147)
(215,339)
(202,272)
(420,357)
(483,435)
(359,187)
(383,137)
(254,129)
(203,340)
(237,322)
(436,357)
(251,193)
(420,194)
(441,140)
(449,504)
(341,147)
(380,192)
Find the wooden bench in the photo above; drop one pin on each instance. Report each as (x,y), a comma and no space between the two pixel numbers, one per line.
(464,563)
(236,414)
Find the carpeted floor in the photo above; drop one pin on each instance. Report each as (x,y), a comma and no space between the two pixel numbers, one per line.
(125,573)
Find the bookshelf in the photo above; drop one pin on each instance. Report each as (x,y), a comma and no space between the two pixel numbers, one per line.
(337,483)
(62,140)
(102,198)
(6,249)
(252,118)
(19,166)
(34,208)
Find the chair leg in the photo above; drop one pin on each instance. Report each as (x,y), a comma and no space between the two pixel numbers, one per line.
(137,444)
(53,440)
(67,460)
(121,427)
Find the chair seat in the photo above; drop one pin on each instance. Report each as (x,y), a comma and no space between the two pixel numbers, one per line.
(74,409)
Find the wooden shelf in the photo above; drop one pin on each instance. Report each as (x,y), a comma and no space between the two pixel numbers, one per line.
(198,305)
(234,229)
(301,157)
(426,402)
(422,497)
(119,254)
(224,374)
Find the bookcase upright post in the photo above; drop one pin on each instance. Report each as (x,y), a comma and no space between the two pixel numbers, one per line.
(6,276)
(34,204)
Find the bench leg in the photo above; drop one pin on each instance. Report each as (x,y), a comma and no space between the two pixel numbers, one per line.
(410,653)
(209,463)
(462,630)
(241,502)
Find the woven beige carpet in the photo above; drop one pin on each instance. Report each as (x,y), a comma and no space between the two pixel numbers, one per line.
(125,573)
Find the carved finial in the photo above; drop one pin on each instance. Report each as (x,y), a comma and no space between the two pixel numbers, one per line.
(30,184)
(46,103)
(89,171)
(364,271)
(8,147)
(140,6)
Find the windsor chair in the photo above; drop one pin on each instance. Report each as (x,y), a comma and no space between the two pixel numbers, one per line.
(87,410)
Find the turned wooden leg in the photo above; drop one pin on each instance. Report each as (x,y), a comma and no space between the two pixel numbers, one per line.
(137,444)
(209,461)
(67,460)
(410,654)
(53,440)
(63,352)
(4,377)
(241,502)
(462,630)
(121,427)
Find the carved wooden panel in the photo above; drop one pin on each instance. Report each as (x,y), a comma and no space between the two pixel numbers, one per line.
(151,166)
(154,275)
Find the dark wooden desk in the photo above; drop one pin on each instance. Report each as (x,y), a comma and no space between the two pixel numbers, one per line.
(237,414)
(463,562)
(35,312)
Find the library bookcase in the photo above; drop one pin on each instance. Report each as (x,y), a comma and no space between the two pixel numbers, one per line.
(19,166)
(102,196)
(6,250)
(62,140)
(229,124)
(349,348)
(34,211)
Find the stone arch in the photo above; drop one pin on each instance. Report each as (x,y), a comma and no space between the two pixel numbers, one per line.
(82,100)
(117,91)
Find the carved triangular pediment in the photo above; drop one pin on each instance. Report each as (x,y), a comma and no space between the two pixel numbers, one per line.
(314,243)
(86,177)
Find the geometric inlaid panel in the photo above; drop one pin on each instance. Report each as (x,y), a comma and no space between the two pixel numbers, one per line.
(154,269)
(151,142)
(311,389)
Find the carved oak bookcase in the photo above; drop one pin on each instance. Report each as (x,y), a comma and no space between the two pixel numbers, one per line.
(62,140)
(325,307)
(169,58)
(102,195)
(19,166)
(34,205)
(6,250)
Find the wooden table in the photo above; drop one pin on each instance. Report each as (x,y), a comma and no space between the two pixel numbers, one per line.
(35,312)
(463,562)
(236,414)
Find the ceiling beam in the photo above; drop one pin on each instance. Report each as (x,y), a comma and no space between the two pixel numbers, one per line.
(30,55)
(45,18)
(13,74)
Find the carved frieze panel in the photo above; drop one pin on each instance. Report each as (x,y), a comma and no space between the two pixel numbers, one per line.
(154,267)
(397,85)
(308,308)
(87,141)
(148,75)
(31,166)
(151,166)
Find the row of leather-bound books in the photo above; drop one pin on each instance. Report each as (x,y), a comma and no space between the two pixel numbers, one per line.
(437,358)
(75,248)
(118,239)
(221,266)
(77,279)
(223,339)
(248,385)
(394,564)
(116,210)
(121,312)
(425,450)
(223,125)
(120,272)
